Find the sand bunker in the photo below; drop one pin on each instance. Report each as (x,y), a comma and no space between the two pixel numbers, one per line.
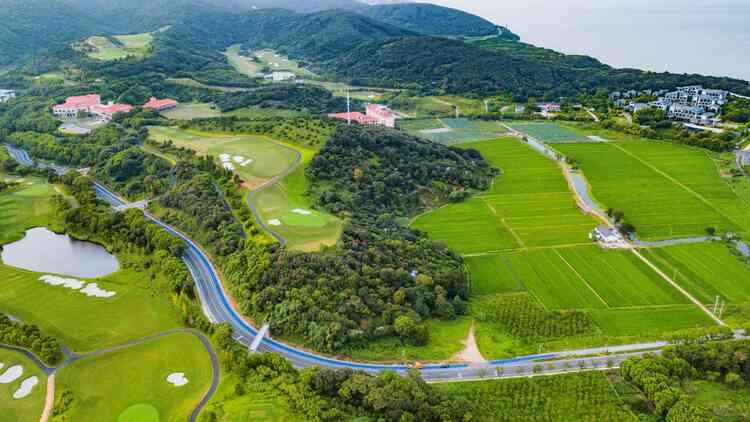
(274,222)
(90,289)
(68,283)
(93,290)
(227,161)
(300,211)
(177,379)
(26,386)
(13,373)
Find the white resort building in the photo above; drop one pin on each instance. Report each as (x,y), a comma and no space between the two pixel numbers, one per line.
(7,95)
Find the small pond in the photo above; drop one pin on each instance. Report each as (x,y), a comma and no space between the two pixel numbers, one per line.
(44,251)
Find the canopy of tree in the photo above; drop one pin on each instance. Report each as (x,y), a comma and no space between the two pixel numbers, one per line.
(430,19)
(29,337)
(374,171)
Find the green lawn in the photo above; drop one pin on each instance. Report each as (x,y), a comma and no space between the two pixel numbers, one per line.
(191,111)
(85,323)
(446,341)
(240,63)
(269,158)
(306,232)
(529,205)
(118,47)
(665,190)
(30,407)
(260,402)
(24,208)
(549,132)
(103,387)
(705,270)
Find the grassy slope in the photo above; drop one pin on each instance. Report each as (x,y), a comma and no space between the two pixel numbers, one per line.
(104,386)
(30,407)
(260,403)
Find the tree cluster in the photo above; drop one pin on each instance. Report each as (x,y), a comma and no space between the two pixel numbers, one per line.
(29,337)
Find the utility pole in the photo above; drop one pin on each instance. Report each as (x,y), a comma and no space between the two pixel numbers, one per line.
(348,108)
(716,304)
(721,310)
(486,106)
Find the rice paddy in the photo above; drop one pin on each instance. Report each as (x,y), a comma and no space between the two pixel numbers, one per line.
(664,190)
(549,132)
(529,205)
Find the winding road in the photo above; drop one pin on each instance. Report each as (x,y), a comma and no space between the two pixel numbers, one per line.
(218,308)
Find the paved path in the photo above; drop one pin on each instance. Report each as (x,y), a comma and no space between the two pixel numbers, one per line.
(268,183)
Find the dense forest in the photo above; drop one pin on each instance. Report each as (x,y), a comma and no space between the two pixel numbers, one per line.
(373,171)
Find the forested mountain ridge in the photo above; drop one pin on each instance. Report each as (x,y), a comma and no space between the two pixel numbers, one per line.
(429,19)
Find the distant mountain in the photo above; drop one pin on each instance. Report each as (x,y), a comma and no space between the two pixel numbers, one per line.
(429,19)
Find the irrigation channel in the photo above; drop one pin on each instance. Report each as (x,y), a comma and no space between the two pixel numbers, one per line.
(217,307)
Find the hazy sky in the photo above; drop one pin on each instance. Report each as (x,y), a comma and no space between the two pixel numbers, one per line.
(703,36)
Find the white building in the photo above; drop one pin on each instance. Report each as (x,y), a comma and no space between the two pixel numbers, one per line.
(636,107)
(605,234)
(382,114)
(7,95)
(686,113)
(662,103)
(281,76)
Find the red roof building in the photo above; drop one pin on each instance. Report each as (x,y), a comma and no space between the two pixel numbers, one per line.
(105,112)
(160,105)
(356,117)
(74,105)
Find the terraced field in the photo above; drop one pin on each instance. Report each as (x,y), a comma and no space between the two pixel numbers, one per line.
(665,190)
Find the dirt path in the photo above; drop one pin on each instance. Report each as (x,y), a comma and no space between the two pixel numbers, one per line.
(679,288)
(471,353)
(49,400)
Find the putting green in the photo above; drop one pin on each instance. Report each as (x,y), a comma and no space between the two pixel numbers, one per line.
(142,412)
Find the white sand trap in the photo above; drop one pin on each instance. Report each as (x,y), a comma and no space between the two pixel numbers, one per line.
(439,130)
(229,166)
(596,138)
(25,389)
(224,157)
(300,211)
(238,159)
(93,290)
(274,222)
(13,373)
(68,283)
(247,162)
(177,379)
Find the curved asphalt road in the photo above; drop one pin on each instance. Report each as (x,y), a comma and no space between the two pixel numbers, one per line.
(217,307)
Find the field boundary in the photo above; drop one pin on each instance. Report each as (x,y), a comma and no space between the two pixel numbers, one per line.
(676,182)
(679,288)
(582,279)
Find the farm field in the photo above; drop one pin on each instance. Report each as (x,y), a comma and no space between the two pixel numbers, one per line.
(588,396)
(261,158)
(192,111)
(549,132)
(705,270)
(133,381)
(529,205)
(28,408)
(453,131)
(288,211)
(643,179)
(653,321)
